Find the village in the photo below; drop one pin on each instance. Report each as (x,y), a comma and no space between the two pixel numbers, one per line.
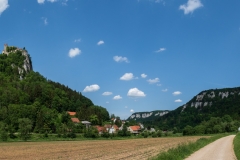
(111,127)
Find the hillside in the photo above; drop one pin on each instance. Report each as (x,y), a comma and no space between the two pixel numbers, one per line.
(203,106)
(27,94)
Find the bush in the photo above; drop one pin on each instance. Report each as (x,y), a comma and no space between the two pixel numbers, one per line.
(154,134)
(159,133)
(105,135)
(145,134)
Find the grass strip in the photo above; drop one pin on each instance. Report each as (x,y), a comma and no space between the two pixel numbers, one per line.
(236,143)
(184,150)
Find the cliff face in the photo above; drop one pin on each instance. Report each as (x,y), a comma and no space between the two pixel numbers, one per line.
(26,66)
(147,116)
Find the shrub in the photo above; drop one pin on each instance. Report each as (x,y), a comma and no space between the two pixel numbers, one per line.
(159,133)
(154,134)
(145,134)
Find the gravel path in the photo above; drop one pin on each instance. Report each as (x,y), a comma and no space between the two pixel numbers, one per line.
(221,149)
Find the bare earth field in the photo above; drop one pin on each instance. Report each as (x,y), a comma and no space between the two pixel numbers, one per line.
(93,149)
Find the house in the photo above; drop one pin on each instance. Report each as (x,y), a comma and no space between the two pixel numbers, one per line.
(71,113)
(86,123)
(101,129)
(134,129)
(75,120)
(111,128)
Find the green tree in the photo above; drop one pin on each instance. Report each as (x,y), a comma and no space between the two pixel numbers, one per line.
(25,127)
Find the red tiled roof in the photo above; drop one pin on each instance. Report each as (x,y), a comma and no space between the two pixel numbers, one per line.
(135,128)
(75,120)
(115,126)
(72,113)
(100,128)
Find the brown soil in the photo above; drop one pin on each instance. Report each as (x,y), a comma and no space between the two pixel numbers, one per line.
(94,149)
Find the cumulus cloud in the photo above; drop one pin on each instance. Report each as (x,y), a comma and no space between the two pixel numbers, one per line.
(91,88)
(191,6)
(107,102)
(100,42)
(41,1)
(143,75)
(178,100)
(127,77)
(3,5)
(134,92)
(131,110)
(107,93)
(161,50)
(176,93)
(152,81)
(165,90)
(117,97)
(74,52)
(120,59)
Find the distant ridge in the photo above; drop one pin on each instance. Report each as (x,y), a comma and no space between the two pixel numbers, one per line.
(203,106)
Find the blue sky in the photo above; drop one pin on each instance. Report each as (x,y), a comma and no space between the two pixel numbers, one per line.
(129,55)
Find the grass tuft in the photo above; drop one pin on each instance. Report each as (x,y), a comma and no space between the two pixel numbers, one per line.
(236,143)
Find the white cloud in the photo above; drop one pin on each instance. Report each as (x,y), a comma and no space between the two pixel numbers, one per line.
(100,42)
(107,102)
(178,100)
(176,93)
(191,6)
(77,40)
(107,93)
(74,52)
(152,81)
(117,97)
(131,110)
(3,5)
(41,1)
(161,50)
(120,59)
(91,88)
(52,1)
(134,92)
(45,21)
(159,84)
(143,75)
(127,77)
(165,90)
(126,106)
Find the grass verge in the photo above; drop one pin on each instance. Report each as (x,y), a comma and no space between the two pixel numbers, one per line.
(236,143)
(184,150)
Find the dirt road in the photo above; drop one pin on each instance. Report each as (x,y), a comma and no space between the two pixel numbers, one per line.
(221,149)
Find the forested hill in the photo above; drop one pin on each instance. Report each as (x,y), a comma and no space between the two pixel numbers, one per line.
(27,94)
(207,104)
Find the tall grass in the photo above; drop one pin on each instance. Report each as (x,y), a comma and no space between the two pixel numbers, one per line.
(185,150)
(236,143)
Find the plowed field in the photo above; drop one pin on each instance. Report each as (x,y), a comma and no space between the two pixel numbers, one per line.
(93,149)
